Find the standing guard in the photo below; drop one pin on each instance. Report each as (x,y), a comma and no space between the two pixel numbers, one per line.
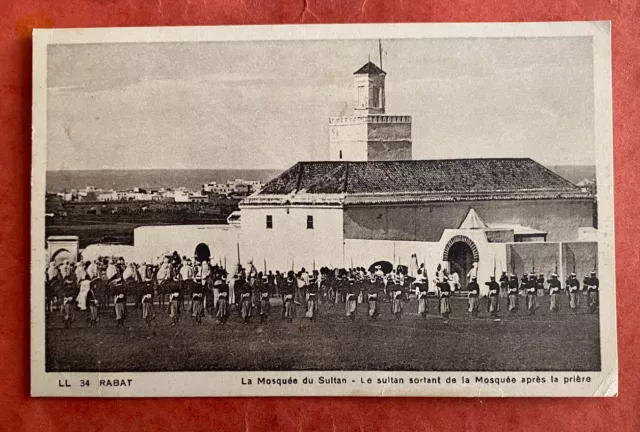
(532,296)
(312,298)
(245,299)
(540,285)
(494,297)
(504,284)
(197,297)
(288,291)
(421,285)
(174,307)
(401,279)
(222,312)
(593,285)
(474,296)
(119,307)
(265,304)
(573,287)
(92,307)
(163,278)
(372,298)
(554,293)
(68,304)
(396,302)
(351,303)
(187,276)
(513,294)
(444,293)
(206,275)
(147,303)
(524,285)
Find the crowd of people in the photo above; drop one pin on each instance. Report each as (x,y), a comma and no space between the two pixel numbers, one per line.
(195,287)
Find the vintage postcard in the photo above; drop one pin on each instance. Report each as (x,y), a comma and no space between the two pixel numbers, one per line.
(327,210)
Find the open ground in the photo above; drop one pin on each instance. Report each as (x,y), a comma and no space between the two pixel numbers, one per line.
(545,342)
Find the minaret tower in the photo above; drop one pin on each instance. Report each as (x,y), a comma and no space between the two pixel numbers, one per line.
(369,134)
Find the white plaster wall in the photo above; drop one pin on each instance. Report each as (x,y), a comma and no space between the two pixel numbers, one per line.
(94,251)
(151,241)
(351,139)
(289,241)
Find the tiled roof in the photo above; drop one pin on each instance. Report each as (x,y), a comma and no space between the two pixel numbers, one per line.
(369,69)
(423,180)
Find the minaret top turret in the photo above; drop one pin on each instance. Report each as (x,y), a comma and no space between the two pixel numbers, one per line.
(368,89)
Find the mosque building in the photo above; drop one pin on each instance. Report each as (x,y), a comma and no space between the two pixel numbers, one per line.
(372,201)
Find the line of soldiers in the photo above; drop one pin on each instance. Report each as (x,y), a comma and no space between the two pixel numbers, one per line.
(531,287)
(206,289)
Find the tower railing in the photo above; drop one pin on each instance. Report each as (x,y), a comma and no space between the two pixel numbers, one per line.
(372,118)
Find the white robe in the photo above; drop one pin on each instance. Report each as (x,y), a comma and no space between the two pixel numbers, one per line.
(80,273)
(142,273)
(92,270)
(52,272)
(129,273)
(112,271)
(85,287)
(186,272)
(164,272)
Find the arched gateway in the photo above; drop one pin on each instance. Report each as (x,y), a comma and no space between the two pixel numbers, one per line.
(461,252)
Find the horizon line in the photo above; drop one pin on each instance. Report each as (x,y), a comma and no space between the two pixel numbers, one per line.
(267,169)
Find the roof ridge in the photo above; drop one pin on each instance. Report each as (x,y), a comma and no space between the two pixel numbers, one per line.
(471,177)
(555,174)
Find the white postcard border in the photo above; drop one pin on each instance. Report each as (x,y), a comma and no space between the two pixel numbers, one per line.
(165,384)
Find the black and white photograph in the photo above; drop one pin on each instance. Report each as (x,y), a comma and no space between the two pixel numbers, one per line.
(381,210)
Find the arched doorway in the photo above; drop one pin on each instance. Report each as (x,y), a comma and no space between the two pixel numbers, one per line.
(62,255)
(202,252)
(461,252)
(460,261)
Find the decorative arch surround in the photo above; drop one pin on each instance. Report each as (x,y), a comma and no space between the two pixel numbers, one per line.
(60,252)
(463,239)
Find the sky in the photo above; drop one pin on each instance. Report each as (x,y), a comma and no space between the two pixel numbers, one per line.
(245,105)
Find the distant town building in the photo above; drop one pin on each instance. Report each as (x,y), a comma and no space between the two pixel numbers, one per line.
(107,196)
(185,196)
(237,186)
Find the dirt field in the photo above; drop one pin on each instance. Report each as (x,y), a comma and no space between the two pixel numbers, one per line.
(543,342)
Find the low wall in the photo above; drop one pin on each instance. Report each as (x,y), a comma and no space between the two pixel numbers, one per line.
(580,257)
(94,251)
(539,257)
(152,241)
